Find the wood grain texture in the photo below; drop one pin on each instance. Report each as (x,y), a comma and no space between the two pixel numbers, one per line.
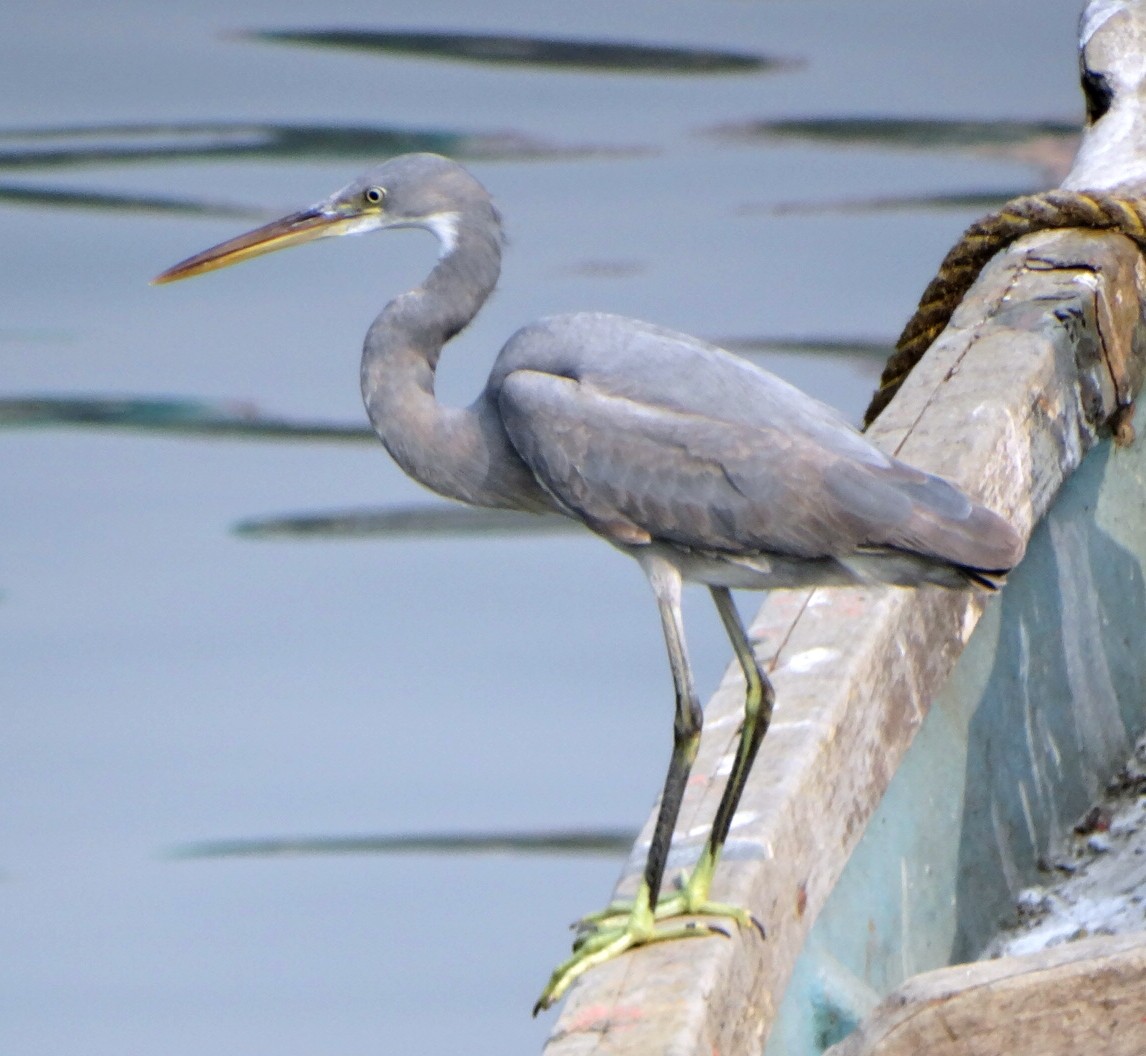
(1085,997)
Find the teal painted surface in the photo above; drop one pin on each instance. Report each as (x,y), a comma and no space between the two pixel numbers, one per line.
(1042,707)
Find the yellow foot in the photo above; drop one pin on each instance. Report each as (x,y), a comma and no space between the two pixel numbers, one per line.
(596,944)
(690,899)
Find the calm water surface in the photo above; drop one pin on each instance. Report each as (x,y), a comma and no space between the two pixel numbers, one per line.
(166,681)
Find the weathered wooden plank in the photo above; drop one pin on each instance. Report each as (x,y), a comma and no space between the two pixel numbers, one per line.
(1086,996)
(1042,356)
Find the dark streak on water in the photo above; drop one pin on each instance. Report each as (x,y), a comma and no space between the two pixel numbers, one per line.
(607,842)
(592,56)
(73,146)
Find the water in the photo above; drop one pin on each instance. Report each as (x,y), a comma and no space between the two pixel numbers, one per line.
(167,681)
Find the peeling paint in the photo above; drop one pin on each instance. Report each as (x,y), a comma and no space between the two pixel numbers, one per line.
(1098,883)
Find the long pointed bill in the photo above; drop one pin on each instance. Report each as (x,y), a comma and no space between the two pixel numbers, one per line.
(292,230)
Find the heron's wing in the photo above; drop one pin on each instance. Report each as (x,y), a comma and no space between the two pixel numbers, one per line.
(901,507)
(635,469)
(653,366)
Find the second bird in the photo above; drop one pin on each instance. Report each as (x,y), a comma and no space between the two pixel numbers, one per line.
(687,458)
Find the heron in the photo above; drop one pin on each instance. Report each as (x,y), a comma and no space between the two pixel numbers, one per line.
(696,463)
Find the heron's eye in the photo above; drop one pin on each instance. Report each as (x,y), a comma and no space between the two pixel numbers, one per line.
(375,195)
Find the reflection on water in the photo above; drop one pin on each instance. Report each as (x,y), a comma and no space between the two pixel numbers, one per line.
(72,147)
(417,521)
(613,843)
(982,200)
(175,416)
(917,133)
(55,198)
(850,347)
(1048,145)
(589,56)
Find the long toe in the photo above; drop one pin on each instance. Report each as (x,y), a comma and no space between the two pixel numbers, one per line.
(690,899)
(590,951)
(681,904)
(595,945)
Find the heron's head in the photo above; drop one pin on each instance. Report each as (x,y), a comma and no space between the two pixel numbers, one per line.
(414,190)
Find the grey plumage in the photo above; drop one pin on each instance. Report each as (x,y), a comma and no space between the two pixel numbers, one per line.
(648,435)
(693,461)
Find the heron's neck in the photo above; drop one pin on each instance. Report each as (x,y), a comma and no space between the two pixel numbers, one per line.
(462,453)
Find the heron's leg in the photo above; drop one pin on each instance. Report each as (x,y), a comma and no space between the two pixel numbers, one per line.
(687,721)
(624,925)
(692,898)
(759,699)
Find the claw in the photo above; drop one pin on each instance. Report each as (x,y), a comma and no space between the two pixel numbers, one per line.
(623,926)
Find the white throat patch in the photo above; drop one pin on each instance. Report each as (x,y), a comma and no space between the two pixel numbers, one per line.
(445,226)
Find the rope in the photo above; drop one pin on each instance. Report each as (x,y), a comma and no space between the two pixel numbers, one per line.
(980,242)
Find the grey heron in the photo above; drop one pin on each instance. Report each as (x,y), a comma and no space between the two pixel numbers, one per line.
(694,462)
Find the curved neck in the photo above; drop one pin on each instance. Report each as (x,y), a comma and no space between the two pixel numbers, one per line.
(462,453)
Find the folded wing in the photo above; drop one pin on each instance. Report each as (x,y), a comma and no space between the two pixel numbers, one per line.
(736,461)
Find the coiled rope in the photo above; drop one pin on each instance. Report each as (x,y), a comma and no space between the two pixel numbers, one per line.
(980,242)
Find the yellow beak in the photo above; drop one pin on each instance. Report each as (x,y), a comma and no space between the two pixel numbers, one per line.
(303,226)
